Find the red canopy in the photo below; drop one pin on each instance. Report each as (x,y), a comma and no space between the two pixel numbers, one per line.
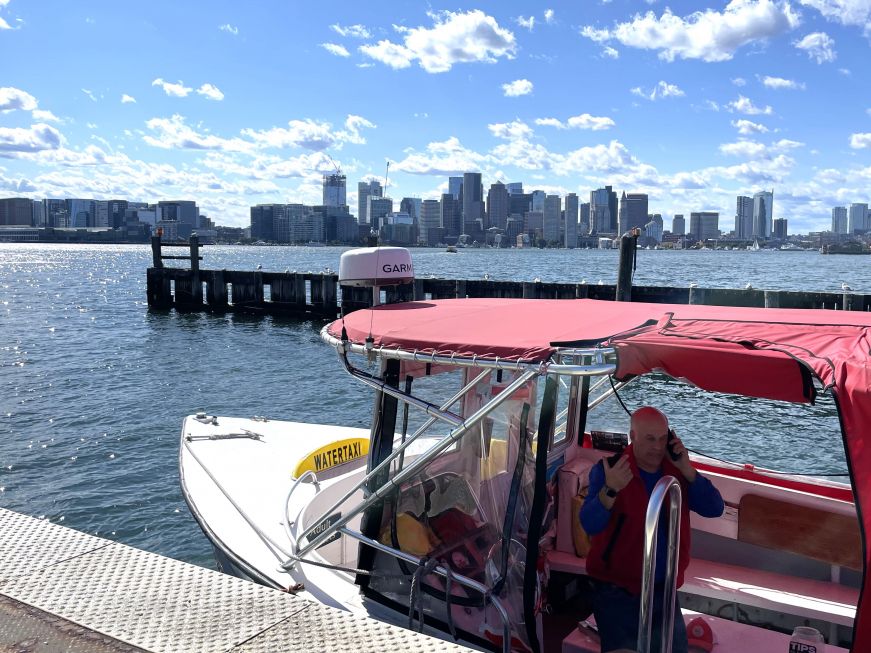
(759,352)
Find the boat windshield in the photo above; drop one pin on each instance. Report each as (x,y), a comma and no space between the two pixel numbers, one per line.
(469,507)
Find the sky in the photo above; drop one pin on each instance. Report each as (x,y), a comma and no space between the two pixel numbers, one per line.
(233,104)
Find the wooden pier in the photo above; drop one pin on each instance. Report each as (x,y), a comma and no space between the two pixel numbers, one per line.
(319,294)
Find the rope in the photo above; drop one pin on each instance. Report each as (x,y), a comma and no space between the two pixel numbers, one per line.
(415,598)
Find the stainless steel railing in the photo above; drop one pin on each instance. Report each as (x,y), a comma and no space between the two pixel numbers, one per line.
(666,486)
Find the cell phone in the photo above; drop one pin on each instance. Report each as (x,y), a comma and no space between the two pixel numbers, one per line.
(670,446)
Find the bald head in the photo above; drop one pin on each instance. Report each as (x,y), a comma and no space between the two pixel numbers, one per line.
(648,430)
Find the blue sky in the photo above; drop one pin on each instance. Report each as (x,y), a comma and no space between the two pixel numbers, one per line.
(234,105)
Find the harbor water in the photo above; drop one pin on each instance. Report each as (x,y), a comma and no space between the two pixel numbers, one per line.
(94,386)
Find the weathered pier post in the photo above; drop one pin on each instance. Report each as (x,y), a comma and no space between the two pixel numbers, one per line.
(628,246)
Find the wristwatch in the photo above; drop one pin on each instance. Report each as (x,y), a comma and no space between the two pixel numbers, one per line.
(609,491)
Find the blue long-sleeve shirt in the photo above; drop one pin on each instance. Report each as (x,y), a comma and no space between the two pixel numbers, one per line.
(704,499)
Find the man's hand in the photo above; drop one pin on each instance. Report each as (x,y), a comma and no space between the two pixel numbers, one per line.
(683,460)
(618,476)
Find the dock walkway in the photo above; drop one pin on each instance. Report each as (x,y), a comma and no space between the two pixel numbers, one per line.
(63,590)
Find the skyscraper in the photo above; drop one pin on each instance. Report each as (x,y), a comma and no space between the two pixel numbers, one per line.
(451,218)
(455,186)
(364,190)
(839,220)
(334,190)
(857,221)
(780,226)
(430,222)
(473,202)
(603,210)
(570,219)
(412,206)
(744,217)
(497,205)
(16,211)
(377,209)
(704,225)
(763,210)
(538,200)
(515,188)
(584,226)
(678,225)
(262,222)
(551,219)
(633,211)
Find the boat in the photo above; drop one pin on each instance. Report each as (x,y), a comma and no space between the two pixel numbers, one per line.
(457,508)
(755,246)
(451,249)
(791,247)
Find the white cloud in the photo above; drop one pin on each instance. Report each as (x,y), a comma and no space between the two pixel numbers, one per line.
(846,12)
(90,94)
(4,24)
(445,158)
(583,121)
(744,149)
(210,92)
(454,38)
(787,144)
(357,31)
(747,127)
(661,90)
(860,141)
(707,35)
(515,130)
(745,105)
(517,88)
(336,49)
(36,138)
(127,99)
(739,81)
(12,99)
(173,133)
(819,46)
(608,51)
(548,15)
(780,82)
(310,134)
(175,90)
(43,115)
(527,23)
(230,29)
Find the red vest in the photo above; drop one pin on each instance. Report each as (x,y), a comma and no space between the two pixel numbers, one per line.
(617,553)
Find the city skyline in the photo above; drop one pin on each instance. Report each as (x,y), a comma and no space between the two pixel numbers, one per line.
(173,101)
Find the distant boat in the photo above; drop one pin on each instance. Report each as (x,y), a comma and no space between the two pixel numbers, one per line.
(755,246)
(451,249)
(791,247)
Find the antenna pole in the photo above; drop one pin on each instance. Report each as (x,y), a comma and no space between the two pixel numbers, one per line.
(386,174)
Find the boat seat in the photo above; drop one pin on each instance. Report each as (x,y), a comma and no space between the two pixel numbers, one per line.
(804,597)
(731,637)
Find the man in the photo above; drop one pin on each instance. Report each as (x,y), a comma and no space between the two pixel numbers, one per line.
(613,515)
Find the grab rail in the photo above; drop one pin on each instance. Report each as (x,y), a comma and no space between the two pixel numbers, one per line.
(670,486)
(442,571)
(302,477)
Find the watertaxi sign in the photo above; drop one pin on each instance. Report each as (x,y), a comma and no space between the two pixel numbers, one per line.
(333,455)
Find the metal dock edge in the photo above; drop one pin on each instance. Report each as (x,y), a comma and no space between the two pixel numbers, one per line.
(63,590)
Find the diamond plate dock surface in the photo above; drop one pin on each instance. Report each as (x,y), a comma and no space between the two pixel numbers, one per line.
(319,629)
(65,591)
(28,544)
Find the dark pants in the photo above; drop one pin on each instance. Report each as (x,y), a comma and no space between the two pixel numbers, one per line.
(616,612)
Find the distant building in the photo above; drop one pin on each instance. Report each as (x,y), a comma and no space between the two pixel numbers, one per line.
(56,213)
(551,219)
(412,206)
(81,213)
(455,187)
(451,217)
(497,206)
(377,209)
(515,188)
(780,227)
(16,211)
(570,221)
(857,220)
(763,209)
(335,190)
(429,223)
(633,212)
(262,221)
(584,219)
(744,217)
(839,220)
(473,203)
(185,212)
(365,189)
(603,210)
(653,231)
(705,225)
(538,200)
(678,225)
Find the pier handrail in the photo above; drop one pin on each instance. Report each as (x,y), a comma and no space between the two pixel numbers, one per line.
(667,485)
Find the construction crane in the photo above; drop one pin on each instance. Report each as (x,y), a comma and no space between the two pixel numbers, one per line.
(386,173)
(335,165)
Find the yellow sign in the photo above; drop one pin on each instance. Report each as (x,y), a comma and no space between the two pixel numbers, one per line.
(333,455)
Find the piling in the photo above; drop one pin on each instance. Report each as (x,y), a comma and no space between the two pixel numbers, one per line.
(628,247)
